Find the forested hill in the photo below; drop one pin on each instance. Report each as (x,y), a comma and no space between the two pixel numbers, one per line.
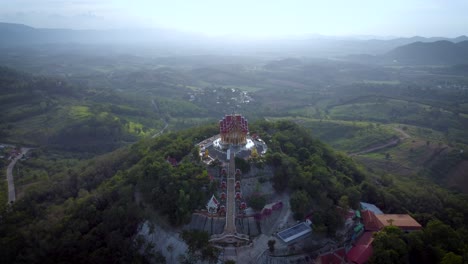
(90,213)
(52,112)
(438,52)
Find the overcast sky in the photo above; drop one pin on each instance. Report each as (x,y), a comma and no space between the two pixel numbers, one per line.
(249,17)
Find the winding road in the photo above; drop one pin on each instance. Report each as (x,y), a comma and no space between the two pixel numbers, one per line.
(156,107)
(11,183)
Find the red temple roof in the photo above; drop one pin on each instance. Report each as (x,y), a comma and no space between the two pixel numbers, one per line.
(231,121)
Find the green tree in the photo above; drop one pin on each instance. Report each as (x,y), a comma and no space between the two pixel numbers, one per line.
(389,246)
(452,258)
(199,246)
(257,201)
(300,203)
(242,164)
(344,202)
(271,245)
(443,236)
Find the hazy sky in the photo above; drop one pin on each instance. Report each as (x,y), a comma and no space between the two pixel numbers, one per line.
(249,17)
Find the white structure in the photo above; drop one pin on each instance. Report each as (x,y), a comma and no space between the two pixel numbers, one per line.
(212,205)
(295,232)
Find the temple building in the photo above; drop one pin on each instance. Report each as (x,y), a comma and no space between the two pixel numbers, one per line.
(233,130)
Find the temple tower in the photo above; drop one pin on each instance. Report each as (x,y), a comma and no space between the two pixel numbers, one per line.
(233,130)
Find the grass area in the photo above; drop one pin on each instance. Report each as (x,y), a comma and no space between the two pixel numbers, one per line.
(193,88)
(384,110)
(349,136)
(423,133)
(137,129)
(79,112)
(39,166)
(26,174)
(308,111)
(183,123)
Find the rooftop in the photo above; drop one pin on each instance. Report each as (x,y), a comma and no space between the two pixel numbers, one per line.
(294,232)
(370,221)
(336,257)
(403,221)
(359,254)
(373,222)
(371,207)
(366,239)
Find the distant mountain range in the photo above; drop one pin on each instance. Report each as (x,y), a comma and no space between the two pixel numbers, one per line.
(442,52)
(163,41)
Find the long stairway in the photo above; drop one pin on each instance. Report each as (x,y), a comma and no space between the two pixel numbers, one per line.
(230,227)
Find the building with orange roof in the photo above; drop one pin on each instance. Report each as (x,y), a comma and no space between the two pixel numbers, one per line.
(403,221)
(373,222)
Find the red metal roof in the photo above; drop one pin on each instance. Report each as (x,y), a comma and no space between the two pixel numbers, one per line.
(359,254)
(370,222)
(366,239)
(336,257)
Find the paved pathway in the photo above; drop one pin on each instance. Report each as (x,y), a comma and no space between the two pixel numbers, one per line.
(230,227)
(11,183)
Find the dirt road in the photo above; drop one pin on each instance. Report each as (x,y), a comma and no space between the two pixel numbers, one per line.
(166,124)
(393,142)
(404,135)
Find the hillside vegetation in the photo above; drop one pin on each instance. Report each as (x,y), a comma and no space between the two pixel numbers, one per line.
(51,112)
(90,212)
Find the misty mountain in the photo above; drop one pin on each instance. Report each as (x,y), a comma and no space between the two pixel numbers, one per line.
(438,52)
(171,42)
(441,52)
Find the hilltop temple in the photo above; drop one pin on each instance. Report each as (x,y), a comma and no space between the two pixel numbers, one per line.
(233,130)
